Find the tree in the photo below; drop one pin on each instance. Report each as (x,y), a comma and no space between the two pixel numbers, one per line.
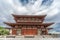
(3,31)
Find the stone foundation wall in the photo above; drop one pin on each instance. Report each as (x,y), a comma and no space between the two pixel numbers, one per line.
(38,36)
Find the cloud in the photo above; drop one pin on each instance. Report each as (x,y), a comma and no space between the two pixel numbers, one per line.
(49,7)
(29,8)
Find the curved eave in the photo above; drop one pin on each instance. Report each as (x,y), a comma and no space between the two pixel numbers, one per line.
(49,28)
(41,24)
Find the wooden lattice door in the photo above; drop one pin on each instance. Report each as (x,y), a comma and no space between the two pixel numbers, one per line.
(29,31)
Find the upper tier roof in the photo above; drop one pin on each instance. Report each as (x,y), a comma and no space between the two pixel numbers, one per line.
(37,16)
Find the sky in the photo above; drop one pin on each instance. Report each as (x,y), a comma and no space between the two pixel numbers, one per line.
(31,7)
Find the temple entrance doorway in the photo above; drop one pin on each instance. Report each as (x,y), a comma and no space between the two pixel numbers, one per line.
(39,31)
(19,32)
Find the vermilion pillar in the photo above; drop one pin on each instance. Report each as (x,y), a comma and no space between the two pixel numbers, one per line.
(14,31)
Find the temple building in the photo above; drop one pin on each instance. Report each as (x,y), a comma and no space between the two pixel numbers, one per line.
(29,25)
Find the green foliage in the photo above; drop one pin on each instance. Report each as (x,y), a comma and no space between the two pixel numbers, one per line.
(3,31)
(1,27)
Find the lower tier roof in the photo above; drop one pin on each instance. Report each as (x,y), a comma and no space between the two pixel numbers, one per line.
(29,24)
